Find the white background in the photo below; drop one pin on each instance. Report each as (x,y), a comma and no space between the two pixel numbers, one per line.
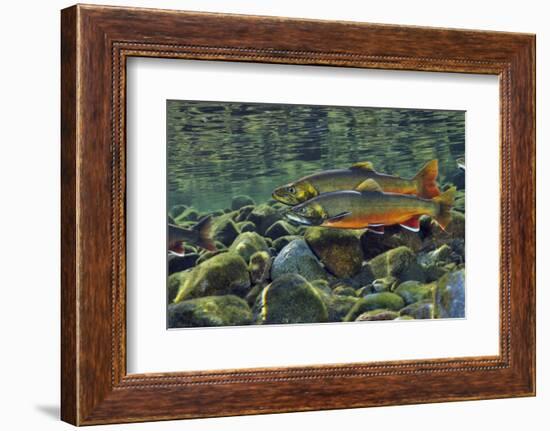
(151,348)
(29,215)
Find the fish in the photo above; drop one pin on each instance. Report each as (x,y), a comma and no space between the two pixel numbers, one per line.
(371,208)
(422,184)
(198,235)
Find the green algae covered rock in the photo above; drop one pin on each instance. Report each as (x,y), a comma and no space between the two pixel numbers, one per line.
(190,214)
(228,310)
(246,226)
(248,243)
(225,230)
(278,229)
(291,299)
(283,241)
(263,216)
(240,201)
(374,315)
(414,291)
(419,310)
(385,284)
(375,301)
(225,273)
(177,210)
(344,291)
(175,281)
(339,250)
(339,306)
(400,263)
(259,266)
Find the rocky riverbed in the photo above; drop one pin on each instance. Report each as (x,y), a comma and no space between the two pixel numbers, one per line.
(268,271)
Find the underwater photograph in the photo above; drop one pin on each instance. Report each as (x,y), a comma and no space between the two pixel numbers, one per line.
(293,214)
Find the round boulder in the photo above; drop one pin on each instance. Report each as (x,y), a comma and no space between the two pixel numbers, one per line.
(228,310)
(248,243)
(297,258)
(339,250)
(291,299)
(225,273)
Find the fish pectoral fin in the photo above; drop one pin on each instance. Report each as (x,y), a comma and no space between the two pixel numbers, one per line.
(339,216)
(369,185)
(377,229)
(413,224)
(367,166)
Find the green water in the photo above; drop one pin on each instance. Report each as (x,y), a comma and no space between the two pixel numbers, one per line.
(217,150)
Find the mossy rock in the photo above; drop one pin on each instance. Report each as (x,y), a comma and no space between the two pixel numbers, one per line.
(322,285)
(279,229)
(181,263)
(375,301)
(344,291)
(190,214)
(376,315)
(339,250)
(177,210)
(252,296)
(291,299)
(297,258)
(400,263)
(174,283)
(413,291)
(363,278)
(240,201)
(228,310)
(223,274)
(460,201)
(385,284)
(248,243)
(364,291)
(243,213)
(283,241)
(419,310)
(339,306)
(449,296)
(246,226)
(225,230)
(259,266)
(206,254)
(434,272)
(263,216)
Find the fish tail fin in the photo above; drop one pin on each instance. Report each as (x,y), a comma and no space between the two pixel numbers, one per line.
(426,184)
(205,239)
(445,201)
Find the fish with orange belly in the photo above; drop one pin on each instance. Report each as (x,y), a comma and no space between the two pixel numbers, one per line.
(423,184)
(369,207)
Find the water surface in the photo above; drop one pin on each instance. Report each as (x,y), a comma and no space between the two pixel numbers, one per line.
(217,150)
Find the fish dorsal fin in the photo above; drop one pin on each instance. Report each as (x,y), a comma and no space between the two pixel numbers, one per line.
(367,166)
(369,185)
(412,224)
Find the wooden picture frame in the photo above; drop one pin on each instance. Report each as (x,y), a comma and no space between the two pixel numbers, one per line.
(96,41)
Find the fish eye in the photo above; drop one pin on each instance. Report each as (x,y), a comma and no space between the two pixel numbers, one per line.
(291,189)
(303,210)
